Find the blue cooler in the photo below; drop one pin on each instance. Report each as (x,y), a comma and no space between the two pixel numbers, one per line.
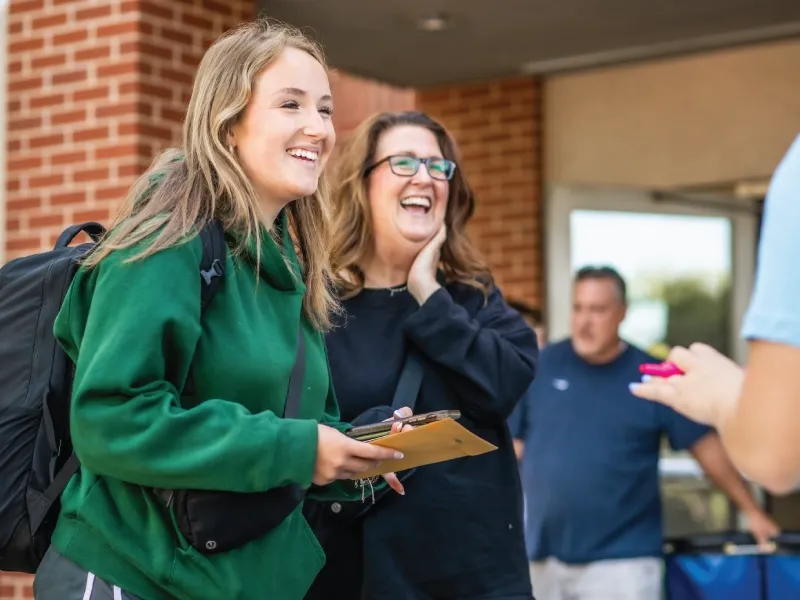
(731,567)
(782,569)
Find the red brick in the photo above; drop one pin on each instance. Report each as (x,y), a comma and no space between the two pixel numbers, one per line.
(116,151)
(46,181)
(118,29)
(66,158)
(46,140)
(129,6)
(177,76)
(199,23)
(22,85)
(23,124)
(146,89)
(46,221)
(72,116)
(158,9)
(64,39)
(92,133)
(133,170)
(68,198)
(15,67)
(99,215)
(173,116)
(51,60)
(26,243)
(95,12)
(24,164)
(93,53)
(91,94)
(27,203)
(25,45)
(49,21)
(168,33)
(112,193)
(154,50)
(118,68)
(69,77)
(155,131)
(124,108)
(99,174)
(218,7)
(21,6)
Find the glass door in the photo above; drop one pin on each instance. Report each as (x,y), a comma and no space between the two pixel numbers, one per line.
(689,269)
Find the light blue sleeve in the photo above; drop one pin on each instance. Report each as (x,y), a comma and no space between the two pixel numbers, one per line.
(774,312)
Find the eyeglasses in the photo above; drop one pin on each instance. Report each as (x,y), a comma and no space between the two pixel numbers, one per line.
(407,166)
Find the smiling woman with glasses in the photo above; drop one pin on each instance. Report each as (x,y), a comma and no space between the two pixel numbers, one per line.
(423,323)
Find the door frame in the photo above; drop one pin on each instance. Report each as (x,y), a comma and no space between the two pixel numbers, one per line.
(3,123)
(561,200)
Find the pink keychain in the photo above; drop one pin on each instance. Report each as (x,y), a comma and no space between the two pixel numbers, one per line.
(665,369)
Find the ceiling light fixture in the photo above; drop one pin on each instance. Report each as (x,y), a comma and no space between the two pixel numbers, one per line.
(433,23)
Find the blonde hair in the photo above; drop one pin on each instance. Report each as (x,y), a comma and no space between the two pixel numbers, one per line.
(186,188)
(352,227)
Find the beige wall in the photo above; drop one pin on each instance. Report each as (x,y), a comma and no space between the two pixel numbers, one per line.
(702,119)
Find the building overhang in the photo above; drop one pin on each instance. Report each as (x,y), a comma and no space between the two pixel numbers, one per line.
(419,43)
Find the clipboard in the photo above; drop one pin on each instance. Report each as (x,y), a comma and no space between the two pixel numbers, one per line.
(427,444)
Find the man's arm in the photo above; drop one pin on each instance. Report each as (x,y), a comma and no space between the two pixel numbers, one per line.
(518,424)
(714,460)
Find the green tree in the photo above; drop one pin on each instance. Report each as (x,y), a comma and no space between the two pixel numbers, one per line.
(696,313)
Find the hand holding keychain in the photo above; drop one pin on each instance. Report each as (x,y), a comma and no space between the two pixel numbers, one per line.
(664,369)
(698,382)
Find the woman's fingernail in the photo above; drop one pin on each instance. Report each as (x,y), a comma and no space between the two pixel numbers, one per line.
(398,455)
(632,386)
(397,414)
(646,378)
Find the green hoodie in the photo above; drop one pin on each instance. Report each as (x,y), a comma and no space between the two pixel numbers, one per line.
(133,330)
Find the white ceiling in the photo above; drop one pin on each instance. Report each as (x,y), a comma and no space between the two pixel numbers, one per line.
(491,38)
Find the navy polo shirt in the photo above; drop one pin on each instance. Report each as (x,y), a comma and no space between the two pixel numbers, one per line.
(590,470)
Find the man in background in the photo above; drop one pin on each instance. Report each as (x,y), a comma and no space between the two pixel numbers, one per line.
(591,452)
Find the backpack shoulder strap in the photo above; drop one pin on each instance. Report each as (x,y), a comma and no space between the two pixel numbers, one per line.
(212,265)
(212,271)
(295,391)
(410,381)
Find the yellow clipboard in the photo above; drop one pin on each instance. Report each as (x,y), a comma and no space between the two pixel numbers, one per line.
(428,444)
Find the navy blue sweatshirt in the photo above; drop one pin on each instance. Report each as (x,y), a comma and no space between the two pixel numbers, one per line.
(458,531)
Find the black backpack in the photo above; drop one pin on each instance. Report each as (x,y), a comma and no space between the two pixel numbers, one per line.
(36,458)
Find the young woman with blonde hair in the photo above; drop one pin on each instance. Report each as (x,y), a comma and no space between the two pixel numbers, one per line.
(191,482)
(417,298)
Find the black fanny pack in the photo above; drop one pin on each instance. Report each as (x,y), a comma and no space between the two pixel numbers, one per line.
(218,521)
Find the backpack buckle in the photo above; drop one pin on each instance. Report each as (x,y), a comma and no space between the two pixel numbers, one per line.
(214,271)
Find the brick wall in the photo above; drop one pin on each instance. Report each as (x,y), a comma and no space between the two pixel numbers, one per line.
(95,89)
(356,98)
(498,128)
